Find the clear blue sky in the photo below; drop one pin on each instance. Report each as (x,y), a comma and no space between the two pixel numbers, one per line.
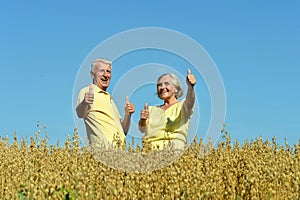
(255,45)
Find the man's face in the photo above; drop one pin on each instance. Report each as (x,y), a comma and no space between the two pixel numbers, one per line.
(101,75)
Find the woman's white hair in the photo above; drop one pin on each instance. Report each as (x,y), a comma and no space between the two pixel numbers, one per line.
(176,82)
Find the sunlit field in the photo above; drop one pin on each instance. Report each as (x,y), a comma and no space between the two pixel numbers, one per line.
(33,169)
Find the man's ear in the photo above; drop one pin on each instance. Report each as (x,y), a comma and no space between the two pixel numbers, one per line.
(92,74)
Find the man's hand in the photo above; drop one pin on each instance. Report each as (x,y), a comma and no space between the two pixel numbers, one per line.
(190,79)
(129,107)
(89,96)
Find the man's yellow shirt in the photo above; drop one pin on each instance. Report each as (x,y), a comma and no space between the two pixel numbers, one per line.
(103,120)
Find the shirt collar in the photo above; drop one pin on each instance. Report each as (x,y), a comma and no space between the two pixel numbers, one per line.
(99,90)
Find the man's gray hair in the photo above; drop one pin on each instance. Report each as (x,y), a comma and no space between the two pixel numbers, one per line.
(102,60)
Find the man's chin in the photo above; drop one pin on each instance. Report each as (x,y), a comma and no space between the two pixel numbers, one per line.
(105,84)
(104,87)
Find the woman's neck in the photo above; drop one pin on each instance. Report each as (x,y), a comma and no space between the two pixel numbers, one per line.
(169,102)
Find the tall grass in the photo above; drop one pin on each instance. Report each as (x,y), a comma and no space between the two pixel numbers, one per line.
(255,169)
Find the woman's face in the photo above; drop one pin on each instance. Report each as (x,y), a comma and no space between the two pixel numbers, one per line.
(166,88)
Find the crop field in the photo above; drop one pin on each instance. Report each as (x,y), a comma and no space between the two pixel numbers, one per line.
(33,169)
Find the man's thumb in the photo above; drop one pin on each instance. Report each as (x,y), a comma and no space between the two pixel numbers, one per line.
(91,91)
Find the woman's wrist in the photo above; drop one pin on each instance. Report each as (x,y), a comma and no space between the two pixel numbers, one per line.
(142,122)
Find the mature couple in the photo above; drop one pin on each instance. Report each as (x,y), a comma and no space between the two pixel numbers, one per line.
(163,125)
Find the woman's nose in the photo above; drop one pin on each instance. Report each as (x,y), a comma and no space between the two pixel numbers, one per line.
(162,86)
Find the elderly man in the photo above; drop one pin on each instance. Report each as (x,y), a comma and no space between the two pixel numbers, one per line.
(96,106)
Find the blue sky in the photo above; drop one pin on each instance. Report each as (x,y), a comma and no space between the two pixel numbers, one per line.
(254,44)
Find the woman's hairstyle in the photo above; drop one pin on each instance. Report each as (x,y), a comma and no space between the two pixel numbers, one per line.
(176,82)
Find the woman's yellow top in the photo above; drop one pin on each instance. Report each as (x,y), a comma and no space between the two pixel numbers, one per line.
(167,127)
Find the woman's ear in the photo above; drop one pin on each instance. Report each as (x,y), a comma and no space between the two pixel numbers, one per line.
(176,94)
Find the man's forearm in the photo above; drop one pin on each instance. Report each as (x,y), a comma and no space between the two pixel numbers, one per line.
(126,124)
(82,109)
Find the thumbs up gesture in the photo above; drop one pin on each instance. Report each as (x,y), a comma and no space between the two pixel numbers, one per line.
(129,107)
(145,112)
(89,96)
(190,79)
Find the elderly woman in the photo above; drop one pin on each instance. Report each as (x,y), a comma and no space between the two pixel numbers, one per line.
(167,124)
